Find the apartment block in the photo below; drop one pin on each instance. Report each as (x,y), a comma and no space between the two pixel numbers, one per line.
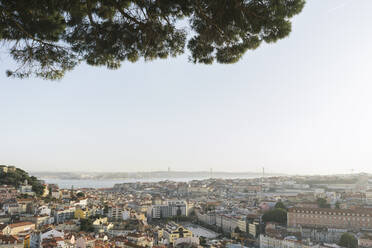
(332,218)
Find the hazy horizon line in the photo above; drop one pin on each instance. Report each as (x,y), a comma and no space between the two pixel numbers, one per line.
(205,171)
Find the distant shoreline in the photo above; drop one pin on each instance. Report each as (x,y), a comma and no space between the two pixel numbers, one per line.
(109,183)
(166,175)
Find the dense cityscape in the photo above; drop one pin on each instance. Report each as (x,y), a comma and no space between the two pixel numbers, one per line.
(266,212)
(185,124)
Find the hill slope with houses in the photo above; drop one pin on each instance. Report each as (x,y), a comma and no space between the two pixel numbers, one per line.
(10,175)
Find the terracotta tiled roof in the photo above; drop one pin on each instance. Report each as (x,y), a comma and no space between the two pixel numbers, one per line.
(2,226)
(21,224)
(132,245)
(9,238)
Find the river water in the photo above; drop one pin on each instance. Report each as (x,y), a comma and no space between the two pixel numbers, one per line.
(109,183)
(104,183)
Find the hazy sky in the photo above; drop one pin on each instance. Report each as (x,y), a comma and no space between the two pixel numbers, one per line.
(302,105)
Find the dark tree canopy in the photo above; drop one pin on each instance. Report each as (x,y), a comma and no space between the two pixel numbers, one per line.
(80,194)
(275,215)
(322,203)
(348,240)
(86,225)
(49,37)
(18,177)
(280,205)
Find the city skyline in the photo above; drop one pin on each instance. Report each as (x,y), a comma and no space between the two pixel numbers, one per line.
(299,106)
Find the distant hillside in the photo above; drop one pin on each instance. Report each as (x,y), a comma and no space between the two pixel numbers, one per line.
(16,177)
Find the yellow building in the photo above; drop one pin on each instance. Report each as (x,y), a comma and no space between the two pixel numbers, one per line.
(45,191)
(141,216)
(81,213)
(3,169)
(26,242)
(160,233)
(174,231)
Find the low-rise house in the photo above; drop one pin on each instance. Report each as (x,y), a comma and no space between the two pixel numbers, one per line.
(82,203)
(10,241)
(365,241)
(68,226)
(66,194)
(11,207)
(140,239)
(85,242)
(7,192)
(38,220)
(4,229)
(56,194)
(187,242)
(15,228)
(37,238)
(44,210)
(26,189)
(26,205)
(53,242)
(128,244)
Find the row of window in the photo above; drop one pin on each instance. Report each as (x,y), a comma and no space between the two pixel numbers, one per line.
(331,213)
(334,217)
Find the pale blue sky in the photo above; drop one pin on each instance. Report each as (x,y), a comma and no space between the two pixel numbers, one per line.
(302,105)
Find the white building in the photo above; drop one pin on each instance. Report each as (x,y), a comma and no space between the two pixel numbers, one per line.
(26,189)
(44,210)
(62,215)
(288,242)
(38,237)
(170,209)
(118,212)
(230,223)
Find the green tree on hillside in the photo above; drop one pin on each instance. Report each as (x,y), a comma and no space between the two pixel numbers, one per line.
(80,194)
(275,215)
(280,205)
(322,203)
(49,37)
(86,225)
(348,240)
(202,241)
(18,177)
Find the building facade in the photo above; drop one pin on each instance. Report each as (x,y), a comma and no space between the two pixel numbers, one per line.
(273,242)
(171,209)
(330,218)
(62,215)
